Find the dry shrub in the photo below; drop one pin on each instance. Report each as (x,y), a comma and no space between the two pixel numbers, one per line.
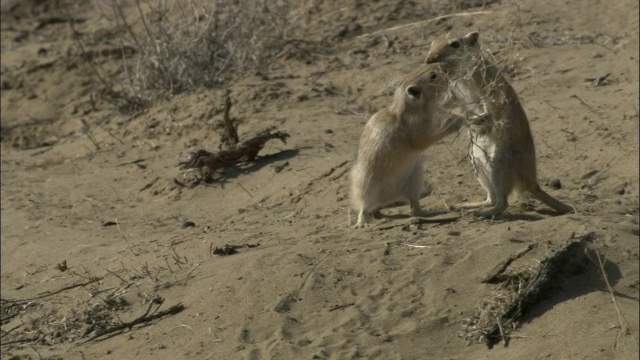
(477,328)
(19,9)
(505,53)
(184,45)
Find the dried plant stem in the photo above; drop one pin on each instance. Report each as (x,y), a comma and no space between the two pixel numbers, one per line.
(624,326)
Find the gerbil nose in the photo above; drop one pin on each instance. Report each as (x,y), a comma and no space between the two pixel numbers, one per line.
(431,59)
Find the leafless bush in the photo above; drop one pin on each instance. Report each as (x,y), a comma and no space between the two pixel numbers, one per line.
(183,45)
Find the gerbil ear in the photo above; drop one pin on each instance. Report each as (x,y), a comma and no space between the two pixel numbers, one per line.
(413,91)
(472,38)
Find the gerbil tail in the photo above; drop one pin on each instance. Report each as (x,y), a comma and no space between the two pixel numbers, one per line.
(550,201)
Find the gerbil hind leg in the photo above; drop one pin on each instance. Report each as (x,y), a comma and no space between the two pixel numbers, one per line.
(501,190)
(497,209)
(483,177)
(413,189)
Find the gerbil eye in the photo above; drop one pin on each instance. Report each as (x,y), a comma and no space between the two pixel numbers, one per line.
(433,76)
(413,91)
(455,44)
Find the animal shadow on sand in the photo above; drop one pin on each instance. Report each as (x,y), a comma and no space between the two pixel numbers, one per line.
(428,214)
(525,212)
(528,214)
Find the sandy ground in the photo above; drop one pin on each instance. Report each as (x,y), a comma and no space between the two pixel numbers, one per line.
(91,191)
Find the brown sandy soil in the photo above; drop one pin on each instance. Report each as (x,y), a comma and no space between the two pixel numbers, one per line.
(314,288)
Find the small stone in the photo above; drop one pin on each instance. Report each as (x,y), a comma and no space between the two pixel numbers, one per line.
(554,183)
(620,189)
(188,223)
(158,346)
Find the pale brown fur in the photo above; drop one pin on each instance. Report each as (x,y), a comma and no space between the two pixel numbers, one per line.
(502,149)
(388,166)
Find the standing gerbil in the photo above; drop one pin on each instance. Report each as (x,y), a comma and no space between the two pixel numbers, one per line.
(388,165)
(502,149)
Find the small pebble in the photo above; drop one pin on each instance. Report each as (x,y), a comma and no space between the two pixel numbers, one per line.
(188,223)
(554,183)
(620,189)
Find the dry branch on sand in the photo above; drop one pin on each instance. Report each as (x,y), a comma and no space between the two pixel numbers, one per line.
(499,314)
(244,151)
(234,152)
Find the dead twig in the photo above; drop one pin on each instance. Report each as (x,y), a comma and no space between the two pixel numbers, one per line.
(86,129)
(494,276)
(146,317)
(600,80)
(51,293)
(340,307)
(230,137)
(624,326)
(125,238)
(585,104)
(245,151)
(58,20)
(150,183)
(331,171)
(232,249)
(504,337)
(20,341)
(189,274)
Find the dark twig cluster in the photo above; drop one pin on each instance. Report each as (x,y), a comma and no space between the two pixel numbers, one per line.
(244,151)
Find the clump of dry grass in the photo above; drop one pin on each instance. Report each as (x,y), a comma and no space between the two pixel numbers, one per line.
(499,313)
(185,45)
(478,327)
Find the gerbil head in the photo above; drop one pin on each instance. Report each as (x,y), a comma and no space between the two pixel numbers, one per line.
(443,50)
(421,88)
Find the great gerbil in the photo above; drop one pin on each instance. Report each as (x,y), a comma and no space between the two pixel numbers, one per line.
(502,149)
(389,163)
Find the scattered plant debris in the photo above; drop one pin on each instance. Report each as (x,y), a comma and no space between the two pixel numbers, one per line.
(498,314)
(232,249)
